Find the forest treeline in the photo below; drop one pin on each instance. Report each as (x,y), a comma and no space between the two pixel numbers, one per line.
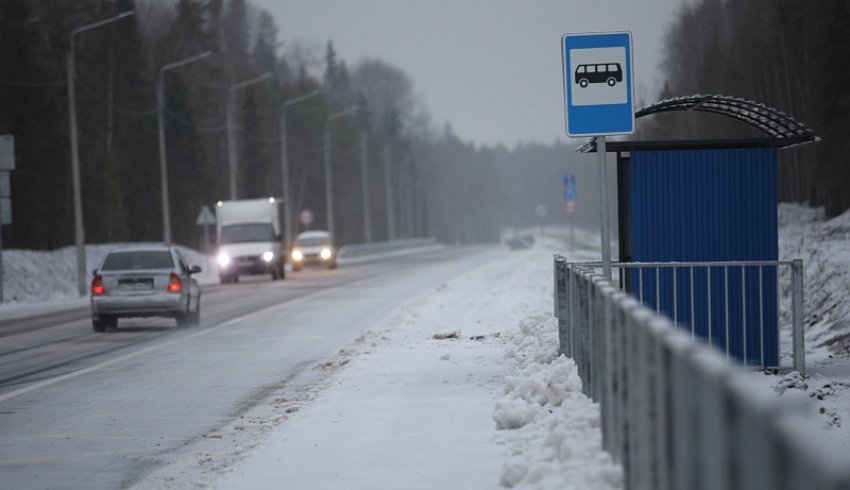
(787,54)
(421,180)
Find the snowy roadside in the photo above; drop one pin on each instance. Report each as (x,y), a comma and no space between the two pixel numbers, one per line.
(536,416)
(824,247)
(460,388)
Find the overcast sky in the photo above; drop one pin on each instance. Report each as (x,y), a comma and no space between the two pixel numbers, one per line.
(490,68)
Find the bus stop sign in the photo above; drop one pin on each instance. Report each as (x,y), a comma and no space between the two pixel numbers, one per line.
(598,83)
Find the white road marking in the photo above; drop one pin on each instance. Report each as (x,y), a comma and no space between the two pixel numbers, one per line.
(153,348)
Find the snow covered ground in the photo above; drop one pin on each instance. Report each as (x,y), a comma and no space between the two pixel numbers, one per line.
(824,247)
(461,388)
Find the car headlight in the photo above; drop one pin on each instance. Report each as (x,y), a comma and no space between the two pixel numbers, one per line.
(223,259)
(268,256)
(326,253)
(297,255)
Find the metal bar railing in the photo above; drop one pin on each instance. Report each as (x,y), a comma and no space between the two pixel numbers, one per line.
(674,412)
(715,322)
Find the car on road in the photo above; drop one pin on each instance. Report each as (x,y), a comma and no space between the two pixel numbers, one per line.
(313,248)
(145,281)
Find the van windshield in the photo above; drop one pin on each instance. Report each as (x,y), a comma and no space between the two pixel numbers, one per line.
(247,232)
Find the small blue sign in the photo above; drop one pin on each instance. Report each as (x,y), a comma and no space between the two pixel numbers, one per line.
(570,190)
(598,83)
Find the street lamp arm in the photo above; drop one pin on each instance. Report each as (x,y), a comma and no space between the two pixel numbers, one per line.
(78,30)
(264,76)
(186,61)
(347,112)
(301,98)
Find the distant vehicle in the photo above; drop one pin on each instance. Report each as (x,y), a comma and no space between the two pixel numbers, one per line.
(520,242)
(248,236)
(609,73)
(144,281)
(313,248)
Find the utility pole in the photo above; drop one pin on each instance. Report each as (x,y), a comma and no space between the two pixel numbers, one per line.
(388,195)
(163,162)
(329,201)
(79,229)
(364,176)
(232,153)
(288,218)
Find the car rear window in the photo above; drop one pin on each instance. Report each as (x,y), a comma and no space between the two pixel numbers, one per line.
(137,260)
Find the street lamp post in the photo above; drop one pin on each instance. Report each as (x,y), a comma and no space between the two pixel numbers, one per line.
(232,154)
(284,164)
(364,176)
(388,192)
(329,202)
(79,232)
(163,162)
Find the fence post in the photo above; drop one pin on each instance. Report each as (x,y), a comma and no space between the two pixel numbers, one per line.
(580,351)
(555,288)
(798,316)
(561,303)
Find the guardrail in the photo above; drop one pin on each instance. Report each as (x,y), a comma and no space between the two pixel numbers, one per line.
(675,413)
(362,250)
(723,298)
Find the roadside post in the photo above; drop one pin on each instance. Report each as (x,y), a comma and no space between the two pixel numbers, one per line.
(570,195)
(7,164)
(599,102)
(540,210)
(305,217)
(206,218)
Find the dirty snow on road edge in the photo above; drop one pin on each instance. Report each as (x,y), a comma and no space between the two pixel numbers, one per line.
(419,401)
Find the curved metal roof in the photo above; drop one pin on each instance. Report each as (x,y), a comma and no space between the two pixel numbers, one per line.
(770,121)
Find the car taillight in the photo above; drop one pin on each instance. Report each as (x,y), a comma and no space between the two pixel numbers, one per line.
(174,283)
(97,285)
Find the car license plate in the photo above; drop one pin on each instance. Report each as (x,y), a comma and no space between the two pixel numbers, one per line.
(135,284)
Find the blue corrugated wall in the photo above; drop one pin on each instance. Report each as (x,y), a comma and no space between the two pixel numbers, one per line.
(710,205)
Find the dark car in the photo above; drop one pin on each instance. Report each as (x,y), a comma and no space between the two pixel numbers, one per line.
(145,281)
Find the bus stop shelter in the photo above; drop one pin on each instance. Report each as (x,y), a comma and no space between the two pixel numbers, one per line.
(700,201)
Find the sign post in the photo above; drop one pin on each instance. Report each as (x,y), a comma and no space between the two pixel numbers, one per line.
(7,164)
(540,210)
(206,218)
(570,195)
(599,101)
(306,217)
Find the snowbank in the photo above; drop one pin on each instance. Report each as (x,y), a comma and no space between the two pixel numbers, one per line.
(552,428)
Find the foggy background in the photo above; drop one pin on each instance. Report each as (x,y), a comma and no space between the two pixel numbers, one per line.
(492,68)
(455,122)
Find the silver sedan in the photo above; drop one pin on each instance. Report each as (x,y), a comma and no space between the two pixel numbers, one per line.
(144,281)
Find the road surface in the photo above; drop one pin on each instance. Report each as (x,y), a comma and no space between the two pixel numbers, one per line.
(80,409)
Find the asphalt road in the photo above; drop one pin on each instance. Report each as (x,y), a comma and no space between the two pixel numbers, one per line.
(80,409)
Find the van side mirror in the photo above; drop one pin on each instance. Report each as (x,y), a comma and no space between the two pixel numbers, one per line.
(195,269)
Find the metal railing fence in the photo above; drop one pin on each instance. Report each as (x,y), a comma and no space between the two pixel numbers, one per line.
(733,304)
(675,413)
(361,250)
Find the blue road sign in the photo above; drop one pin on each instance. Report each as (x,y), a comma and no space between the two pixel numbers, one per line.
(598,83)
(570,190)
